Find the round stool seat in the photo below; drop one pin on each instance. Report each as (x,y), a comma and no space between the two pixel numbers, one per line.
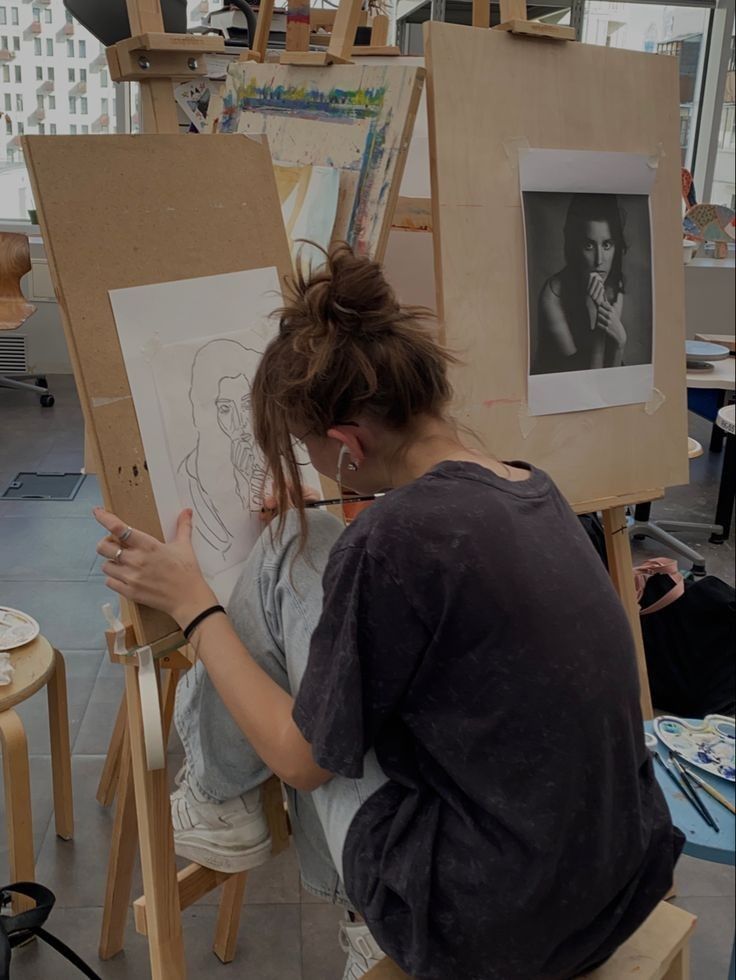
(34,664)
(694,448)
(725,419)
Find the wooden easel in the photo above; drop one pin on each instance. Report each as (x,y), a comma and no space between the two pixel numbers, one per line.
(498,422)
(156,60)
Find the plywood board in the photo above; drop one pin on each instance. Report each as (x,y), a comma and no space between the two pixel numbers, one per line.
(124,211)
(559,97)
(357,118)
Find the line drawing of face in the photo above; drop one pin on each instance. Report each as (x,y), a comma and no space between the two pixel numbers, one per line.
(233,408)
(598,248)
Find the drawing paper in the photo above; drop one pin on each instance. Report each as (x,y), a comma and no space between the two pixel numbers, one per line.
(587,221)
(191,349)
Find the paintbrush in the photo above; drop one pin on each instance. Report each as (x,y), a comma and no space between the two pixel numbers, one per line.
(710,790)
(343,500)
(678,783)
(685,777)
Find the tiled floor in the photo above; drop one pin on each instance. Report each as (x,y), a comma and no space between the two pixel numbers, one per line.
(47,567)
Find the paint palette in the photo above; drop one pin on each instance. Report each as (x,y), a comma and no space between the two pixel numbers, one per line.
(16,628)
(708,744)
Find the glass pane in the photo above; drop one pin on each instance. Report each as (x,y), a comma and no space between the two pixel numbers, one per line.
(680,32)
(46,98)
(724,186)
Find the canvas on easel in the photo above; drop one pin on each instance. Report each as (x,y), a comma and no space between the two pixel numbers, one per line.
(570,97)
(356,119)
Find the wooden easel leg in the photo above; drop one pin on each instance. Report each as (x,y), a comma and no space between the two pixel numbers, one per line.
(111,770)
(620,566)
(171,680)
(61,759)
(18,814)
(123,848)
(166,946)
(228,918)
(680,966)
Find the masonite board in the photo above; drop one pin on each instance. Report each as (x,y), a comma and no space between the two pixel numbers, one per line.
(548,95)
(130,210)
(357,118)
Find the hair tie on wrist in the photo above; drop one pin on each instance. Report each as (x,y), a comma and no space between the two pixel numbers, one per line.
(198,619)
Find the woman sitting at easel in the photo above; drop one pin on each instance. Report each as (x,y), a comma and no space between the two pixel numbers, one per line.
(457,700)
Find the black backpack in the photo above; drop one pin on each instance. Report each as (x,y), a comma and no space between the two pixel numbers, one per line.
(688,643)
(18,929)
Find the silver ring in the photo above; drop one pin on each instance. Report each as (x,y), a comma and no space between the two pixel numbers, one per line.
(126,534)
(116,556)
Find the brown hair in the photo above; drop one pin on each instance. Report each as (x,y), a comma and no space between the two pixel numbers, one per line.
(345,346)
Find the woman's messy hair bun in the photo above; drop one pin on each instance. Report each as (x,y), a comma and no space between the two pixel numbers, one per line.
(347,298)
(345,347)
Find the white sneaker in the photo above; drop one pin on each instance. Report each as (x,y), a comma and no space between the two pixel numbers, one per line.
(362,949)
(232,836)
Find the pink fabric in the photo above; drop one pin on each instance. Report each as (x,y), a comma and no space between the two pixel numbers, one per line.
(658,566)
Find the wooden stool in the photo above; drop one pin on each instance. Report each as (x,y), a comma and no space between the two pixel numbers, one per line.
(35,664)
(658,950)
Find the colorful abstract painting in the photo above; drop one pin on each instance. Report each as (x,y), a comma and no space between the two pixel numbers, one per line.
(354,118)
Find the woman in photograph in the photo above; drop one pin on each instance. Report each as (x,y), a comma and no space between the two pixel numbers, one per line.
(580,307)
(448,685)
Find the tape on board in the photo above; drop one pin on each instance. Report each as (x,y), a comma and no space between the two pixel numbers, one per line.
(655,402)
(527,422)
(153,735)
(655,156)
(513,148)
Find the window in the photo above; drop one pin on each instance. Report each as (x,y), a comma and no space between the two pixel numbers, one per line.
(36,13)
(14,16)
(3,16)
(41,128)
(50,47)
(18,73)
(52,102)
(82,49)
(39,73)
(104,107)
(70,49)
(85,130)
(8,102)
(37,49)
(19,103)
(82,74)
(48,16)
(71,74)
(83,106)
(678,31)
(72,104)
(50,74)
(16,44)
(4,42)
(104,78)
(39,101)
(73,130)
(52,129)
(69,18)
(724,181)
(21,128)
(6,73)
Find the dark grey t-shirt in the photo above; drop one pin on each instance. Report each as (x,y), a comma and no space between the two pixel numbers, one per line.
(471,635)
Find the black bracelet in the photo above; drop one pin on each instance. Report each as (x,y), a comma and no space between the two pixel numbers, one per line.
(198,619)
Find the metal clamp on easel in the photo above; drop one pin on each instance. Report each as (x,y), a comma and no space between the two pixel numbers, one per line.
(123,648)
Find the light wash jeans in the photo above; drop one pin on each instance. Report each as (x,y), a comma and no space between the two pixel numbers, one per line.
(274,608)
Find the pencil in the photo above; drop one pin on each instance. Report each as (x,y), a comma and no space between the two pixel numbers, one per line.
(710,790)
(685,777)
(678,783)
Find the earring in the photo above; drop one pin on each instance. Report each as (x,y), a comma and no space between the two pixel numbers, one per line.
(352,466)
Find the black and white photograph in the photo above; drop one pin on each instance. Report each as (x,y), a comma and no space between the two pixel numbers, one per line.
(589,284)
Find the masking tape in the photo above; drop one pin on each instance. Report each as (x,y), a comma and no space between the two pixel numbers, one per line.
(655,402)
(119,648)
(99,402)
(654,157)
(513,148)
(153,734)
(527,422)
